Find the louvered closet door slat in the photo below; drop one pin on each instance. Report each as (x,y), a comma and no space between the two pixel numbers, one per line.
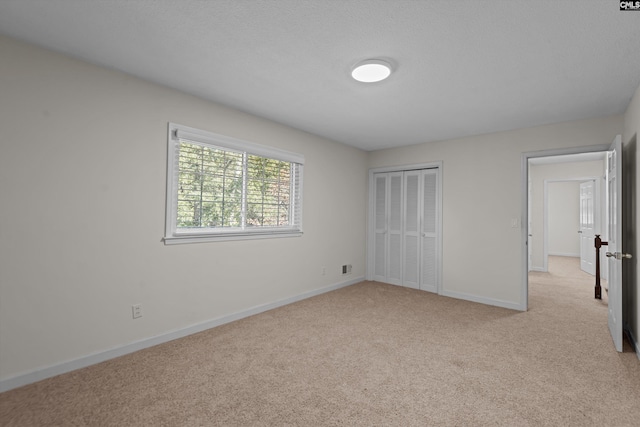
(381,205)
(412,180)
(395,258)
(395,204)
(380,257)
(429,264)
(429,201)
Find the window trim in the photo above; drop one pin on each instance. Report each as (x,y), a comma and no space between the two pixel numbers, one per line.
(174,236)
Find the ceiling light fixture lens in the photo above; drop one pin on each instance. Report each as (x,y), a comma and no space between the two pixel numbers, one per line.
(371,71)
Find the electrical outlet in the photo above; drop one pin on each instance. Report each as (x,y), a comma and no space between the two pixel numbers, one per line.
(136,310)
(324,271)
(346,269)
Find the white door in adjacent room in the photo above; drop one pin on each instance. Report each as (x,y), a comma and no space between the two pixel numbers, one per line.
(587,229)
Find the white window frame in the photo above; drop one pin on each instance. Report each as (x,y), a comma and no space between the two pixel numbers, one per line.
(174,235)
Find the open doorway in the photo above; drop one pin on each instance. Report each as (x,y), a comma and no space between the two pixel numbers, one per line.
(528,237)
(615,230)
(566,209)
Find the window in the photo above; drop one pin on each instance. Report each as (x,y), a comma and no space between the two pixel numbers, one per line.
(221,188)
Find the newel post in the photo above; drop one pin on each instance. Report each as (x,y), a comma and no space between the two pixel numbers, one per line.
(598,244)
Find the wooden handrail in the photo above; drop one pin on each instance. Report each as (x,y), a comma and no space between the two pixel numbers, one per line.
(598,244)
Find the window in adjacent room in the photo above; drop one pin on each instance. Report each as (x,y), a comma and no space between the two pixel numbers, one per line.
(221,188)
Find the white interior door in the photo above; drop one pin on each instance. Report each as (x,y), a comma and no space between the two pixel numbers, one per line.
(614,248)
(587,226)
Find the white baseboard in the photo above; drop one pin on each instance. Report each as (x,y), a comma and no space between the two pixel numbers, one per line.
(573,255)
(92,359)
(484,300)
(539,269)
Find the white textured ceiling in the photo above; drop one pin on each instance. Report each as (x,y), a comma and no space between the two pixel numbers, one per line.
(463,67)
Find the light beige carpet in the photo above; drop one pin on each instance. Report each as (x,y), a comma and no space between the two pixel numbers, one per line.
(369,354)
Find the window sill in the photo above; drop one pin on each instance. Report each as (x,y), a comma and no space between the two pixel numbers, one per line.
(191,238)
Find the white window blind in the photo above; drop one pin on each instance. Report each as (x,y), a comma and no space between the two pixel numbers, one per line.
(221,188)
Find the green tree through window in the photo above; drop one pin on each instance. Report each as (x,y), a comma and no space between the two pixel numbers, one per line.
(221,188)
(268,192)
(212,189)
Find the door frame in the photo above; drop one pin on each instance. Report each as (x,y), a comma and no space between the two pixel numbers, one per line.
(524,289)
(371,211)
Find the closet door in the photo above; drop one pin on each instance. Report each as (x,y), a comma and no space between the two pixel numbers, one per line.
(430,230)
(388,228)
(411,232)
(380,228)
(406,226)
(394,248)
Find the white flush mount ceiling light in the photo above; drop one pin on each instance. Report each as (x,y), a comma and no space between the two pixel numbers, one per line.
(371,71)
